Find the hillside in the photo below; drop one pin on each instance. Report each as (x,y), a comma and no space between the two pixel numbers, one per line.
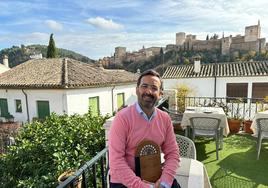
(18,55)
(174,57)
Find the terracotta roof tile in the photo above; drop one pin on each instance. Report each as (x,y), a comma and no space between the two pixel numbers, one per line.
(62,73)
(241,69)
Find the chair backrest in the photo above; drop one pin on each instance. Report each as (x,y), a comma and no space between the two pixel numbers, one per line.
(186,147)
(205,123)
(174,115)
(262,124)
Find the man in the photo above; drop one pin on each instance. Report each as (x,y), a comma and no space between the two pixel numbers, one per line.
(136,123)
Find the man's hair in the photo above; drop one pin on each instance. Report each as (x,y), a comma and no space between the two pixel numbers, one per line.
(150,72)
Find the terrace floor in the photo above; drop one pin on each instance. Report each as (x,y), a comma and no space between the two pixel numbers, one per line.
(237,165)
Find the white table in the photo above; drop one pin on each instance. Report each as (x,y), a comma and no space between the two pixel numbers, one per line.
(192,174)
(205,112)
(258,115)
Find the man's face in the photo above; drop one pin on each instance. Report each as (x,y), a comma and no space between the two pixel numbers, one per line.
(148,91)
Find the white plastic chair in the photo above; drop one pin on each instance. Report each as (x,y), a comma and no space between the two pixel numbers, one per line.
(175,116)
(262,126)
(186,147)
(207,127)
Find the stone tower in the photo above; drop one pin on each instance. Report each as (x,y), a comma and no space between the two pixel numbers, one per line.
(252,33)
(225,45)
(180,38)
(119,54)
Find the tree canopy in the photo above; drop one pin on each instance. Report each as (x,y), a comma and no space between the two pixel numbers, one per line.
(51,49)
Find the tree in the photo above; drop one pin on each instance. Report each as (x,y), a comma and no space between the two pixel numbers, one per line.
(51,49)
(44,150)
(207,37)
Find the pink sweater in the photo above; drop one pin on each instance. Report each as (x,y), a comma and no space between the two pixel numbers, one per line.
(127,130)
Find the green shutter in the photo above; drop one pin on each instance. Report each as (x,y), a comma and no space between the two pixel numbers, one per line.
(3,108)
(120,100)
(94,105)
(43,109)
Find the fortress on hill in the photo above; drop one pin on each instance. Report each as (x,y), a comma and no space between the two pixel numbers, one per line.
(226,45)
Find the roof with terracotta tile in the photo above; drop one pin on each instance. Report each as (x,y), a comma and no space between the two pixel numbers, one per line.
(63,73)
(238,69)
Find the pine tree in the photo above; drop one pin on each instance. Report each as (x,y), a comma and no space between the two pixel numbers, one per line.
(51,49)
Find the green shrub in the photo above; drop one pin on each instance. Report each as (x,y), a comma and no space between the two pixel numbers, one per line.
(44,150)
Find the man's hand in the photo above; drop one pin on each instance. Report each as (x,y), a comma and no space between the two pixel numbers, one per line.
(149,183)
(157,184)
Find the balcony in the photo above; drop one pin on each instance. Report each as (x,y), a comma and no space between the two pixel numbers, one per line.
(94,173)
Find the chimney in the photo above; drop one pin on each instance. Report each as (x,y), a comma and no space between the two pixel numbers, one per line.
(5,60)
(197,65)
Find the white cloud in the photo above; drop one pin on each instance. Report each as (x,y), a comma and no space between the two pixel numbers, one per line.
(53,25)
(102,23)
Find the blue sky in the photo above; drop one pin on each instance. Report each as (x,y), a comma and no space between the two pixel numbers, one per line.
(95,27)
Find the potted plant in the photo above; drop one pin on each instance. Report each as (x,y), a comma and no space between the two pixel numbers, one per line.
(247,124)
(235,120)
(234,125)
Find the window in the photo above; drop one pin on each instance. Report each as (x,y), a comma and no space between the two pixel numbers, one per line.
(18,105)
(94,105)
(238,90)
(3,108)
(120,100)
(43,109)
(259,90)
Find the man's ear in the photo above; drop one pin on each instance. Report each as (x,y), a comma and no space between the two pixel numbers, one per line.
(161,93)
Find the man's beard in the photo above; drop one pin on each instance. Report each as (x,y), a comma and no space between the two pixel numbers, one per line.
(148,103)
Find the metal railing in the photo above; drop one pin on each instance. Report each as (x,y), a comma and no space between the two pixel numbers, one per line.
(240,108)
(89,174)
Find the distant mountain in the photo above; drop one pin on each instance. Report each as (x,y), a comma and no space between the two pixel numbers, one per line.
(18,55)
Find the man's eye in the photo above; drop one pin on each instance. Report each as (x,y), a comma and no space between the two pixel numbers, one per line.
(144,86)
(154,88)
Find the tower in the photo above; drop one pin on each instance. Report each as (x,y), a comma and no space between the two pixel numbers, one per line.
(253,32)
(180,38)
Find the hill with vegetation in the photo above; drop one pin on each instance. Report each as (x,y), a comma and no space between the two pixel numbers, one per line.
(18,55)
(183,57)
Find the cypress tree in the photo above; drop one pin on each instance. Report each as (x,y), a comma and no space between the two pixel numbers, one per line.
(51,49)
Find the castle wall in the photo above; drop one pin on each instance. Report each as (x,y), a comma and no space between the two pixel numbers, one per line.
(245,46)
(200,45)
(238,39)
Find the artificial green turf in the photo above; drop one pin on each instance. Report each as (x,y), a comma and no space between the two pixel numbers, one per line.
(237,165)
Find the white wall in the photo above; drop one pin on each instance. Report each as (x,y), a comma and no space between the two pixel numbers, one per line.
(205,86)
(221,83)
(68,101)
(78,98)
(55,98)
(201,86)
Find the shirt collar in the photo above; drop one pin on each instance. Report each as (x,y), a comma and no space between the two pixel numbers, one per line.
(140,111)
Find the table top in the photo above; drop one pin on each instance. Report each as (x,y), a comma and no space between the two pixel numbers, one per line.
(205,112)
(192,174)
(263,114)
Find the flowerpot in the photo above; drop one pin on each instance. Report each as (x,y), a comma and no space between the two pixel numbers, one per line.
(234,125)
(65,175)
(247,125)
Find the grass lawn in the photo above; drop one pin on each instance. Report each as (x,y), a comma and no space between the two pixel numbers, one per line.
(237,165)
